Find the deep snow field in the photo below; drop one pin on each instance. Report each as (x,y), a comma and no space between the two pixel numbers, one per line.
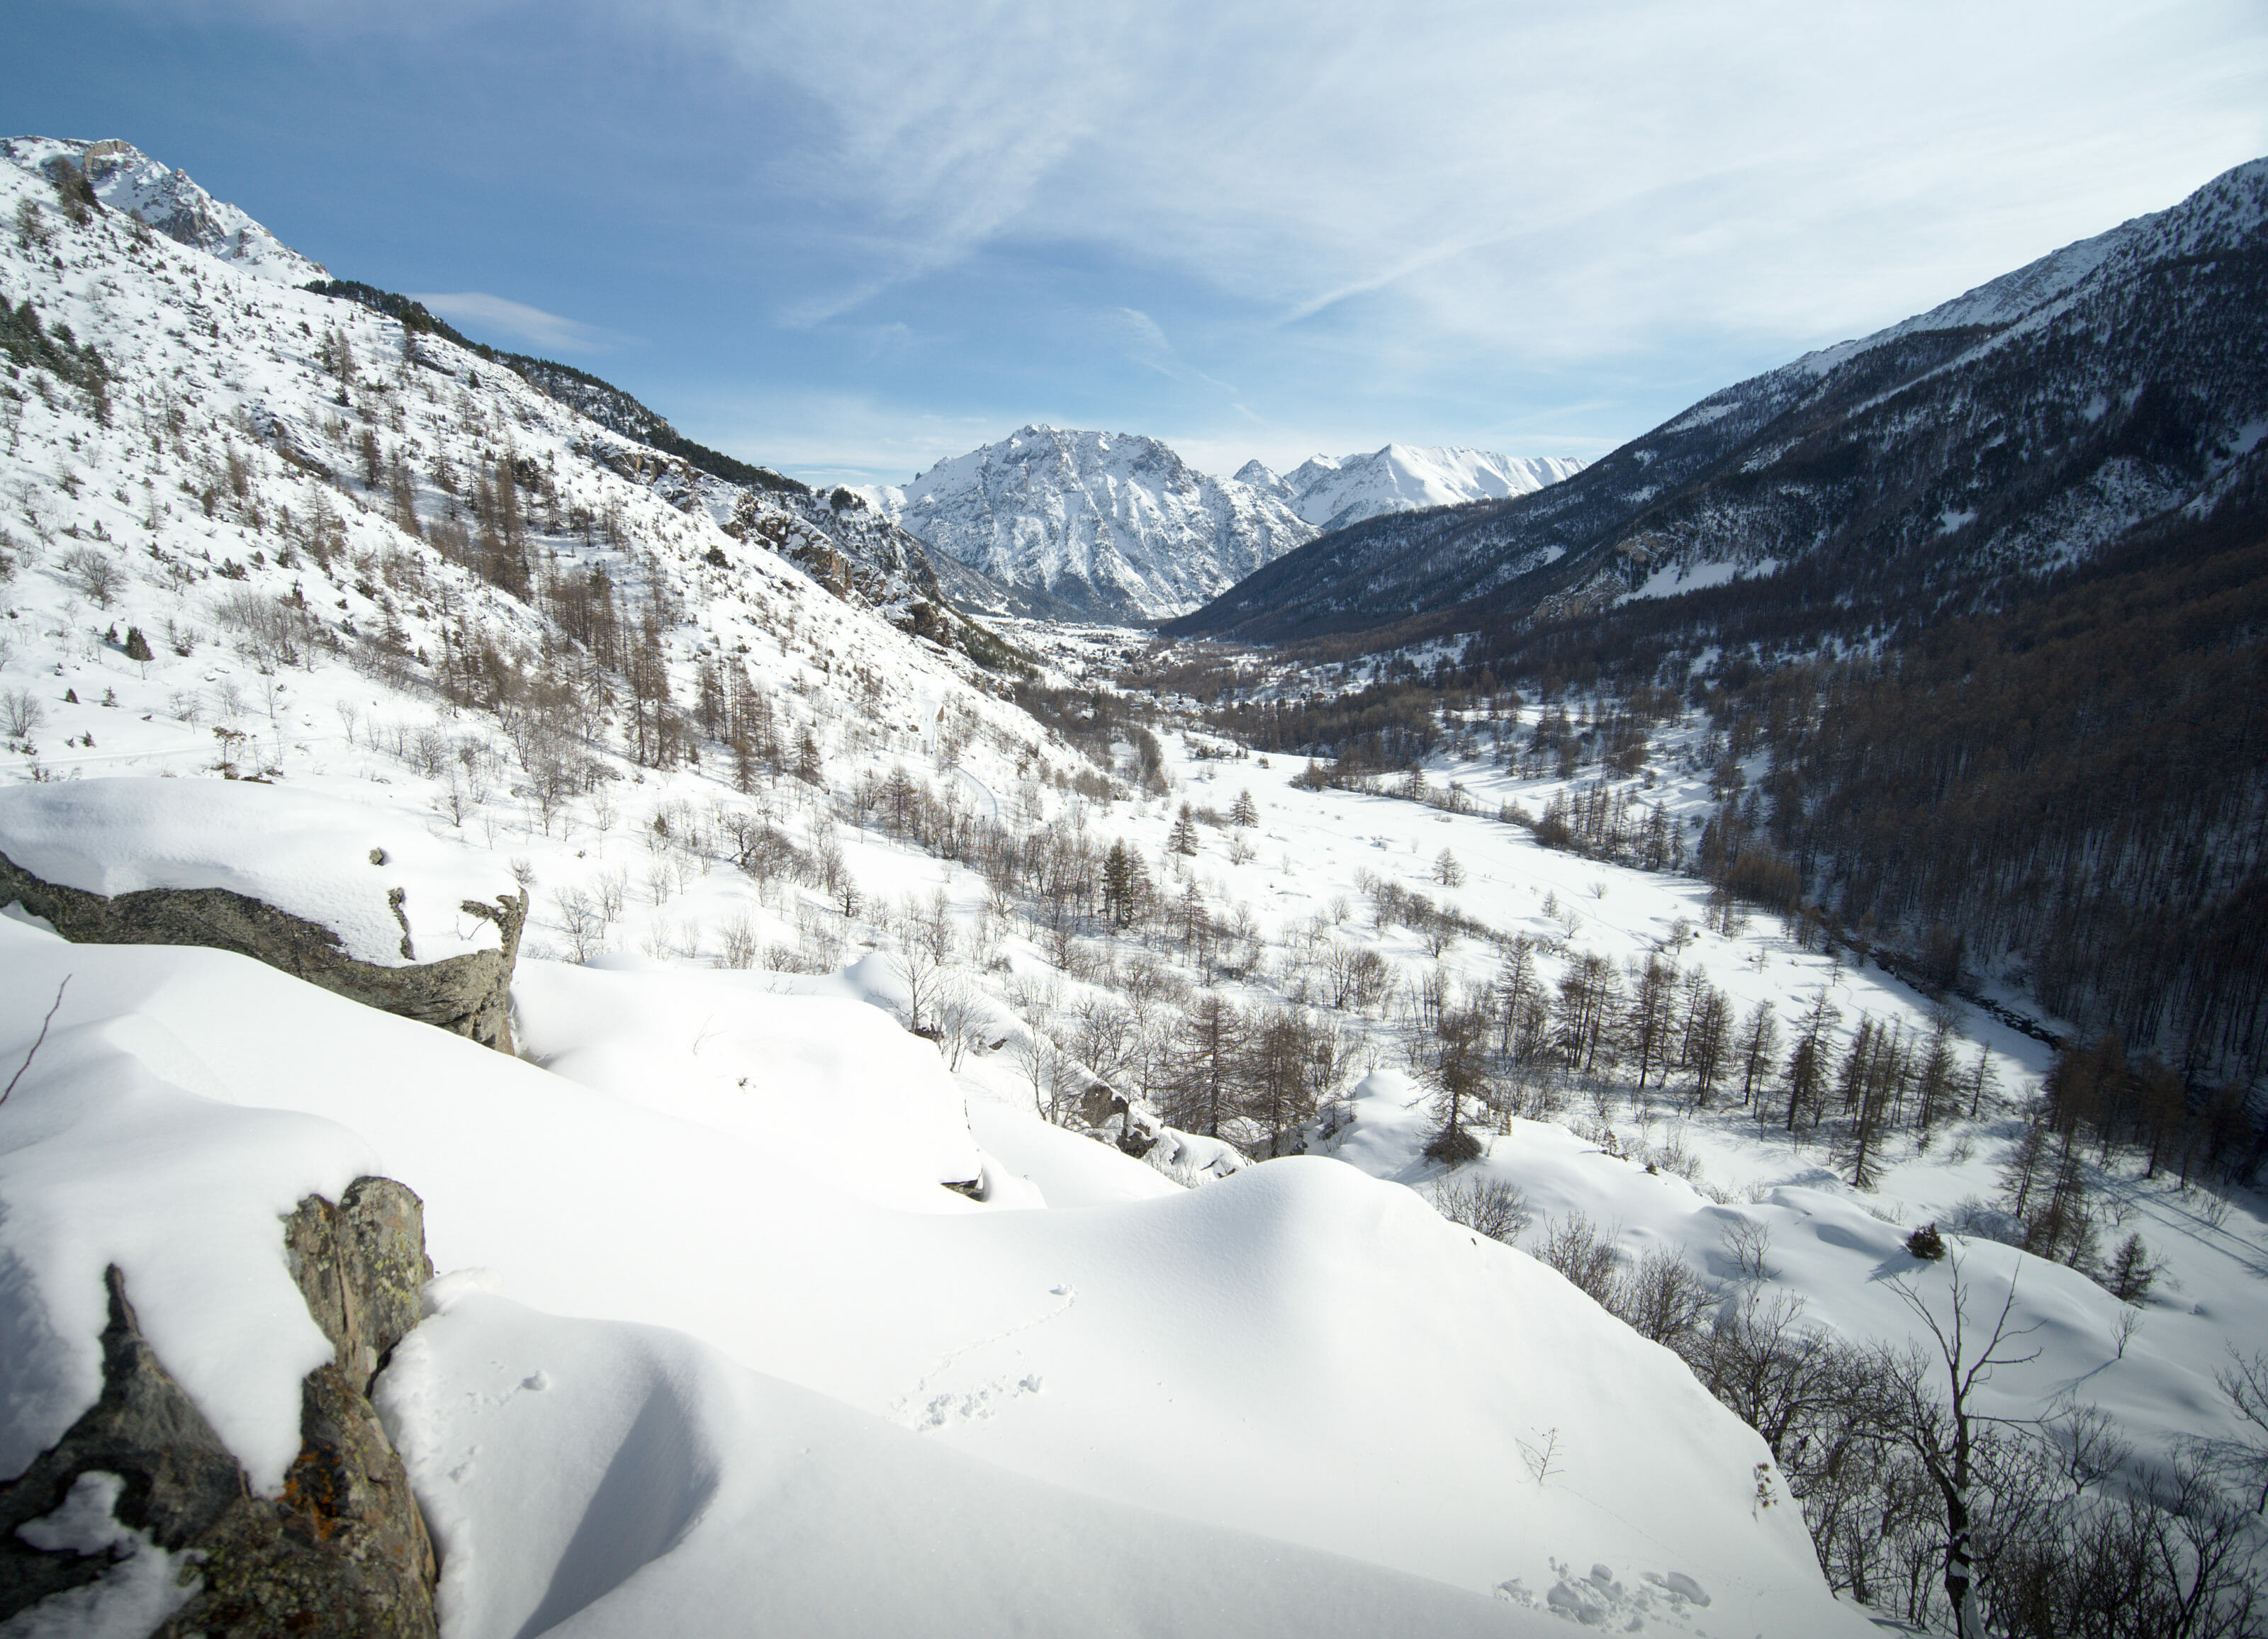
(714,1345)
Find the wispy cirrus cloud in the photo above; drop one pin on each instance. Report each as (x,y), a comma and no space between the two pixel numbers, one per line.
(1508,224)
(1518,173)
(498,315)
(1144,340)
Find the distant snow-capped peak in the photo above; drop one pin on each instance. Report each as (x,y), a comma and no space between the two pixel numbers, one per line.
(1118,525)
(128,181)
(1331,492)
(1112,522)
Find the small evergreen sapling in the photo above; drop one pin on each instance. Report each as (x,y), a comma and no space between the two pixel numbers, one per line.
(2133,1272)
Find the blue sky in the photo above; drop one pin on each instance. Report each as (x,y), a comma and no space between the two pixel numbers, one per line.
(850,239)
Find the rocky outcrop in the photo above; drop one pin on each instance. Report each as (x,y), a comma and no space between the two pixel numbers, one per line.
(470,995)
(1114,524)
(343,1549)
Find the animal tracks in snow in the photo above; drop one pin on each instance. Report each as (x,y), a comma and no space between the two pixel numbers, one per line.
(939,1401)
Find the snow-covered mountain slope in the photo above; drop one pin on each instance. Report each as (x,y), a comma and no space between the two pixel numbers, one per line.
(1169,1362)
(378,520)
(1331,492)
(1110,524)
(126,180)
(835,535)
(463,638)
(2019,427)
(810,1386)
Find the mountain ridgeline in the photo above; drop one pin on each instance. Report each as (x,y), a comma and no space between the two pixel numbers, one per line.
(1333,492)
(835,535)
(601,400)
(1115,526)
(2018,427)
(1105,525)
(1978,603)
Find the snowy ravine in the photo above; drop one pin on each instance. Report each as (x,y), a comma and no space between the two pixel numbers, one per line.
(713,1335)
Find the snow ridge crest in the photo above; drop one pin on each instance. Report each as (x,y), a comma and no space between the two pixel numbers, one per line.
(128,181)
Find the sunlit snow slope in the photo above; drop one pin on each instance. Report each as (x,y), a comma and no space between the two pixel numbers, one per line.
(1299,1352)
(130,181)
(768,1366)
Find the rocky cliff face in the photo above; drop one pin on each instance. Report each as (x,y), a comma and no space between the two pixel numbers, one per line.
(470,994)
(1109,524)
(342,1549)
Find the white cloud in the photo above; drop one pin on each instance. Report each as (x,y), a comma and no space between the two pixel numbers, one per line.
(1434,221)
(496,315)
(1144,340)
(1531,176)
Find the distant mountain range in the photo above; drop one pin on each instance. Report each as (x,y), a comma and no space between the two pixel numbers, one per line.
(1118,526)
(1333,492)
(2014,429)
(1043,523)
(1112,525)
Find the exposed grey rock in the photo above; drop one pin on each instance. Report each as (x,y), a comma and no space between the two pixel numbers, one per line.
(1115,525)
(360,1265)
(470,995)
(343,1549)
(180,1481)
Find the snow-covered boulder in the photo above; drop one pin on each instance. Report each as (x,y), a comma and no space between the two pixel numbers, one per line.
(280,877)
(1297,1353)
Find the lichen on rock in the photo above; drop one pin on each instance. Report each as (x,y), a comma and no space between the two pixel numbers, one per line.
(470,994)
(342,1549)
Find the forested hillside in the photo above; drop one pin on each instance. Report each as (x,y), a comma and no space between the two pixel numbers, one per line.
(1984,591)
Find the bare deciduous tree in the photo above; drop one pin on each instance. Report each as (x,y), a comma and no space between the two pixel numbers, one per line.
(1943,1435)
(1487,1206)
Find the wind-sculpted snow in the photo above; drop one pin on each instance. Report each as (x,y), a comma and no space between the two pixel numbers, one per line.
(335,862)
(726,1050)
(1112,524)
(1297,1352)
(699,1497)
